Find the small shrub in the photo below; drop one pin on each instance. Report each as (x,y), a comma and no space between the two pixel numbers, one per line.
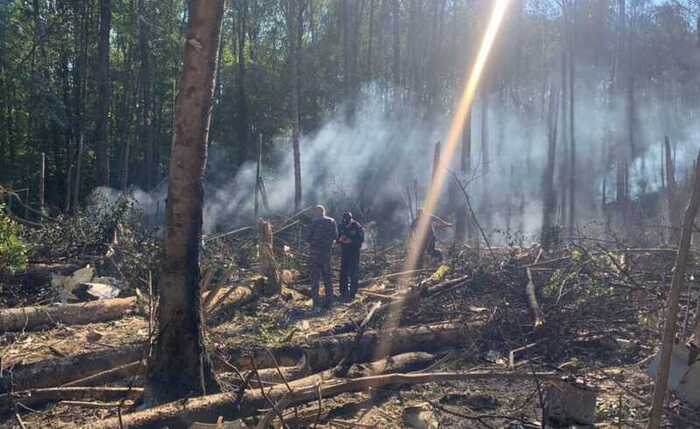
(13,251)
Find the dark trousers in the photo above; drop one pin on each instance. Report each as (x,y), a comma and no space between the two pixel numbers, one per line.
(349,271)
(321,268)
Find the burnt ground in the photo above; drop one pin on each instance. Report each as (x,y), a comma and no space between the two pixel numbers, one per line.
(602,315)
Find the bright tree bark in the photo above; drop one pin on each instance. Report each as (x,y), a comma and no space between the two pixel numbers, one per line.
(178,366)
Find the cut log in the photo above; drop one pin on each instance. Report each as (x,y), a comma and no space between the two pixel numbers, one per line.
(37,397)
(228,299)
(206,409)
(56,372)
(326,352)
(297,375)
(318,355)
(405,362)
(35,318)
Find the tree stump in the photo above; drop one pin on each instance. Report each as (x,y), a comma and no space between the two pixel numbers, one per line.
(266,257)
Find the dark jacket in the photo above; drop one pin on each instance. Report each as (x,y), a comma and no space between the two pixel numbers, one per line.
(354,232)
(321,234)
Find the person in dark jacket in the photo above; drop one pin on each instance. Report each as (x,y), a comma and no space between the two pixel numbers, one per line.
(351,235)
(321,235)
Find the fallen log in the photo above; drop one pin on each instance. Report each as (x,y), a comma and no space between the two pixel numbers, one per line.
(296,375)
(35,318)
(405,362)
(37,397)
(110,375)
(317,355)
(228,299)
(326,352)
(341,370)
(56,372)
(400,300)
(206,409)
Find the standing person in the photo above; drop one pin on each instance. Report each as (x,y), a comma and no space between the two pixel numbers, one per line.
(429,241)
(351,236)
(321,235)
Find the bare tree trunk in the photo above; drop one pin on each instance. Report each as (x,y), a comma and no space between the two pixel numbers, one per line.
(485,155)
(104,95)
(127,118)
(243,120)
(370,40)
(671,318)
(42,183)
(78,165)
(256,204)
(621,150)
(549,204)
(463,225)
(396,52)
(179,366)
(674,212)
(572,132)
(146,134)
(294,15)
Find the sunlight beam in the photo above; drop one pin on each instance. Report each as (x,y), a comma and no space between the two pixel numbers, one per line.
(472,78)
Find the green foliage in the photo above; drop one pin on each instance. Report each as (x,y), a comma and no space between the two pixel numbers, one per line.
(13,251)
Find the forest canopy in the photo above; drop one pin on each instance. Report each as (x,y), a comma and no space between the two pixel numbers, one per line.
(92,85)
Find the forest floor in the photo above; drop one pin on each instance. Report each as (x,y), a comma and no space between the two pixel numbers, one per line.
(600,311)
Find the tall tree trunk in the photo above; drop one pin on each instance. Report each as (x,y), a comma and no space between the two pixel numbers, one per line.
(549,203)
(370,40)
(104,95)
(146,141)
(78,168)
(179,366)
(485,156)
(243,123)
(126,119)
(463,224)
(674,211)
(396,52)
(621,151)
(79,88)
(572,138)
(294,18)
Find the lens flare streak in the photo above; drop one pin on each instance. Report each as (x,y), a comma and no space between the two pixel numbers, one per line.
(472,79)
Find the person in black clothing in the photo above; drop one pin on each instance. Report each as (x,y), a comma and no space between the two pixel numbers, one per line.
(350,236)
